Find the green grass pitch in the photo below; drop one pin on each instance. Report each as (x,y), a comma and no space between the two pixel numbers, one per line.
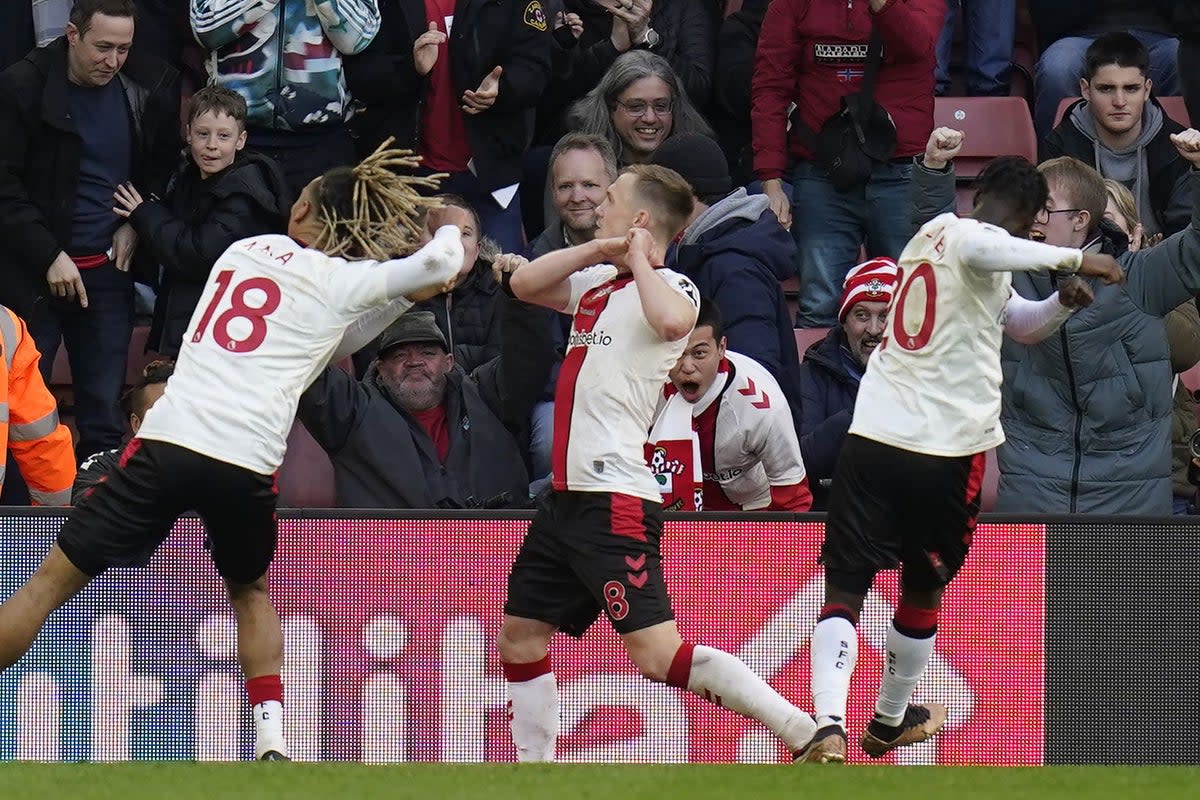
(183,781)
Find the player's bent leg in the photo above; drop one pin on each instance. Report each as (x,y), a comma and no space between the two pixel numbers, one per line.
(55,582)
(260,653)
(661,655)
(834,653)
(910,642)
(523,645)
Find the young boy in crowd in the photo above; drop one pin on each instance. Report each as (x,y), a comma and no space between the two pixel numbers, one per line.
(221,193)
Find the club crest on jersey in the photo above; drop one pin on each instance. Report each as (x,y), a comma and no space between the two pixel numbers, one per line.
(662,466)
(599,293)
(535,17)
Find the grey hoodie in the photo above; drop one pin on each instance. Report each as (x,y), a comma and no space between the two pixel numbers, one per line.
(1127,165)
(739,205)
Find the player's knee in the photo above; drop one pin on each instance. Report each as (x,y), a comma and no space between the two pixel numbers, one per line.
(522,641)
(652,666)
(246,593)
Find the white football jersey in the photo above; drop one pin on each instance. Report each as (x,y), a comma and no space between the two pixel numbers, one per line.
(746,427)
(933,384)
(609,384)
(271,316)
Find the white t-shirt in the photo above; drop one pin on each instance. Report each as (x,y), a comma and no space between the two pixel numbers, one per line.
(271,316)
(933,384)
(609,384)
(749,432)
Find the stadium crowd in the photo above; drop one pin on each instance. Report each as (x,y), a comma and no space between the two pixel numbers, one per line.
(132,156)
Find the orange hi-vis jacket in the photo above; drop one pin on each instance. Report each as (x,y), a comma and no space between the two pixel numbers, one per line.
(29,426)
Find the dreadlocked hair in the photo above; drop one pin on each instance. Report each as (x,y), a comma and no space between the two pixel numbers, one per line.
(370,211)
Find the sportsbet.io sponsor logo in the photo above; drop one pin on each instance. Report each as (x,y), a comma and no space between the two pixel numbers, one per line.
(589,339)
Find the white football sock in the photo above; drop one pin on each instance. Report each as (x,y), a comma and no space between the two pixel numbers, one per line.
(833,652)
(268,728)
(533,715)
(723,679)
(906,661)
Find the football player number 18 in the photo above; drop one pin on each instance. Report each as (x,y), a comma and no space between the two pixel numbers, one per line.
(239,309)
(900,330)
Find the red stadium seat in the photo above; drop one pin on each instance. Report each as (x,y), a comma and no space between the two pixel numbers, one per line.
(1174,106)
(806,337)
(994,126)
(306,478)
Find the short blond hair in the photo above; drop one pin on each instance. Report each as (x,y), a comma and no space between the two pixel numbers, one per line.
(668,195)
(1080,184)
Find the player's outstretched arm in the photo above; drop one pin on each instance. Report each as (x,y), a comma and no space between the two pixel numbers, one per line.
(1031,321)
(670,312)
(432,267)
(545,281)
(366,328)
(993,250)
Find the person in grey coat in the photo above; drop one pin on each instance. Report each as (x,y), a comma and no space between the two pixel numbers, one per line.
(418,432)
(1087,412)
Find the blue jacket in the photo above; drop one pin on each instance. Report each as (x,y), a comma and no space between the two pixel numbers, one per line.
(737,253)
(828,389)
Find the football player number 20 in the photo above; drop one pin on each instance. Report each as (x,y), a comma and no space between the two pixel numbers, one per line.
(900,329)
(239,309)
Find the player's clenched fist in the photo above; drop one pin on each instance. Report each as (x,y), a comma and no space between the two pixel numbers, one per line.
(1188,144)
(641,243)
(1106,268)
(1074,293)
(444,255)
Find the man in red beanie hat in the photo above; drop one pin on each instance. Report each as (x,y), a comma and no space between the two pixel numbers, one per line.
(829,375)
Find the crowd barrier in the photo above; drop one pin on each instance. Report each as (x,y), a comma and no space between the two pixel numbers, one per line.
(1067,640)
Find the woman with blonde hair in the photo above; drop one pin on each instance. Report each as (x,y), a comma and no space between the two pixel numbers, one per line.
(1122,212)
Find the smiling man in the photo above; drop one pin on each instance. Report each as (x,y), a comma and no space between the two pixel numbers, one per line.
(582,167)
(832,369)
(1121,130)
(83,115)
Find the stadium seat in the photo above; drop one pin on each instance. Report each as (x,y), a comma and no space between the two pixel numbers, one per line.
(994,126)
(1175,107)
(806,337)
(306,478)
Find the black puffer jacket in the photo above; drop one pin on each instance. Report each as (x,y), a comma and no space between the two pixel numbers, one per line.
(40,152)
(383,458)
(189,230)
(469,317)
(688,29)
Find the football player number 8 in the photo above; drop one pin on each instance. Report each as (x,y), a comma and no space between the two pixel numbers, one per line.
(239,309)
(900,331)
